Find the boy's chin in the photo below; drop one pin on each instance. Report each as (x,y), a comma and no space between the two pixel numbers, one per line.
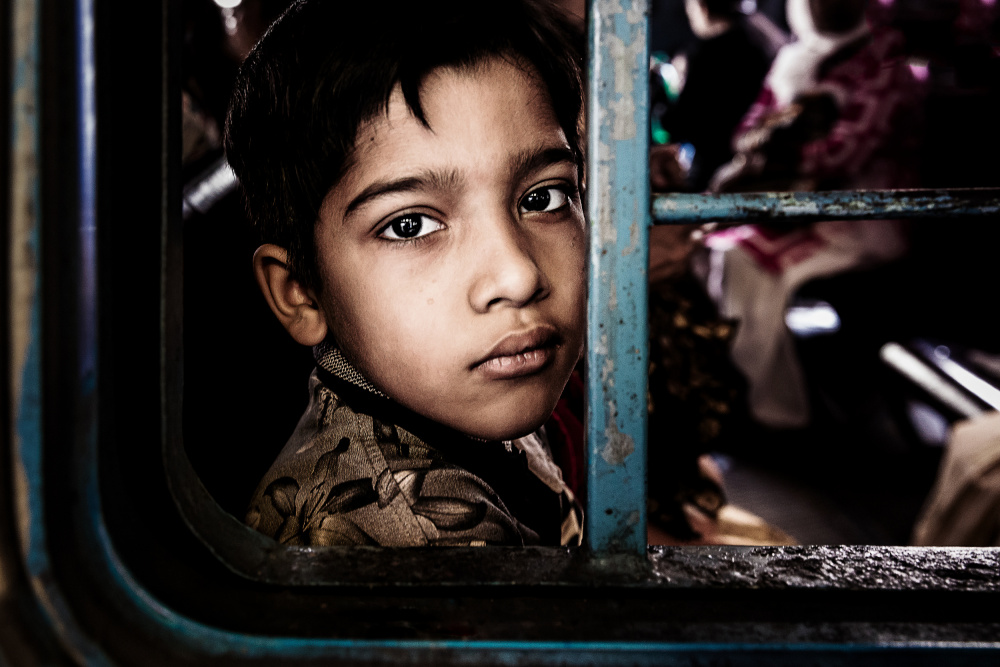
(504,430)
(515,417)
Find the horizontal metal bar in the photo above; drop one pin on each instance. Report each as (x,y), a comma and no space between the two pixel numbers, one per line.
(918,372)
(809,206)
(208,188)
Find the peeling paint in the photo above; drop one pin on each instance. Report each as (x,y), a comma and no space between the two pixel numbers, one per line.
(618,446)
(813,206)
(23,262)
(636,14)
(602,346)
(624,56)
(801,208)
(608,8)
(606,221)
(612,296)
(605,151)
(23,194)
(607,372)
(626,60)
(633,240)
(623,127)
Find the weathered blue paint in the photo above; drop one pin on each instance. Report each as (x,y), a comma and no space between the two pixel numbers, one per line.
(806,206)
(24,243)
(26,327)
(618,211)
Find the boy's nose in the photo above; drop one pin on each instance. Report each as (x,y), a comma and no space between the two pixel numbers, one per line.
(506,271)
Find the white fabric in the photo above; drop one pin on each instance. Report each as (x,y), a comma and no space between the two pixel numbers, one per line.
(763,348)
(963,508)
(540,462)
(794,70)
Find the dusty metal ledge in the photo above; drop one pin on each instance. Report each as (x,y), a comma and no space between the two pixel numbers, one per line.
(806,568)
(847,568)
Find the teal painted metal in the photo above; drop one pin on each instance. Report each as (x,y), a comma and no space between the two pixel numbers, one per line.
(618,211)
(25,302)
(26,327)
(807,206)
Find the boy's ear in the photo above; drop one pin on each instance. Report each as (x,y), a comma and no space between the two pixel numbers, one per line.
(295,306)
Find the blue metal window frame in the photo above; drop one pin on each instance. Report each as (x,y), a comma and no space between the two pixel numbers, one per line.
(616,558)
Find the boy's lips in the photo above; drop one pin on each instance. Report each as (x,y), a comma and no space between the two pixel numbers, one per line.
(520,353)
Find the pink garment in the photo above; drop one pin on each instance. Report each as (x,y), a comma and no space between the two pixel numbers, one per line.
(872,145)
(874,141)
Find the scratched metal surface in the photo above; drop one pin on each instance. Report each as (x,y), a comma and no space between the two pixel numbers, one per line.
(847,568)
(802,568)
(618,192)
(809,206)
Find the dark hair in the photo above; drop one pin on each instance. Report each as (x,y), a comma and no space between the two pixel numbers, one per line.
(326,67)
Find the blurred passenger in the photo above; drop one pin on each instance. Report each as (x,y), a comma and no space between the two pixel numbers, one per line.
(724,69)
(695,392)
(839,109)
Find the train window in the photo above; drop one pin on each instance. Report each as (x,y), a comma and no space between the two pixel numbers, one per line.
(128,550)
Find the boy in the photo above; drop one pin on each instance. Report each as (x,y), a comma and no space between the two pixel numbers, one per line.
(414,169)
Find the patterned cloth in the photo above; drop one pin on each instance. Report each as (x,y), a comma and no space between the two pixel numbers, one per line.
(875,139)
(361,469)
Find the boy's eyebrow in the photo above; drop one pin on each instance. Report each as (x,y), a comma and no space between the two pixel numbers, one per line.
(521,165)
(421,181)
(528,161)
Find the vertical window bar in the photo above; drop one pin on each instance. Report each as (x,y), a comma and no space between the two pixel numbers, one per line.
(28,260)
(619,214)
(24,301)
(87,146)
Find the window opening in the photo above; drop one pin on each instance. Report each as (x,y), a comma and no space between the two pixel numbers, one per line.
(837,322)
(617,427)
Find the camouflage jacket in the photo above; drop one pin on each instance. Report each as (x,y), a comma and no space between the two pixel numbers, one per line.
(361,469)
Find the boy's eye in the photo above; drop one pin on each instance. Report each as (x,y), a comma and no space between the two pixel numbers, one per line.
(410,226)
(544,200)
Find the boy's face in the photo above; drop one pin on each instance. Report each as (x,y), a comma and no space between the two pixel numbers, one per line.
(453,257)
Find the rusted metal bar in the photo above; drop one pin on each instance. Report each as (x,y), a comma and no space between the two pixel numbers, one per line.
(617,173)
(810,206)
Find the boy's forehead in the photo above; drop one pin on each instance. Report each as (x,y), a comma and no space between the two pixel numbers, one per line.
(496,75)
(495,110)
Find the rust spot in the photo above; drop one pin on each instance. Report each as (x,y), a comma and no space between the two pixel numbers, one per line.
(618,446)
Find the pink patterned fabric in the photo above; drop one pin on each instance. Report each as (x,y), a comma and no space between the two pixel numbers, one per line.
(874,141)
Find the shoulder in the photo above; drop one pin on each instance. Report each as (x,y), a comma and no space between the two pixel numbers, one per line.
(354,479)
